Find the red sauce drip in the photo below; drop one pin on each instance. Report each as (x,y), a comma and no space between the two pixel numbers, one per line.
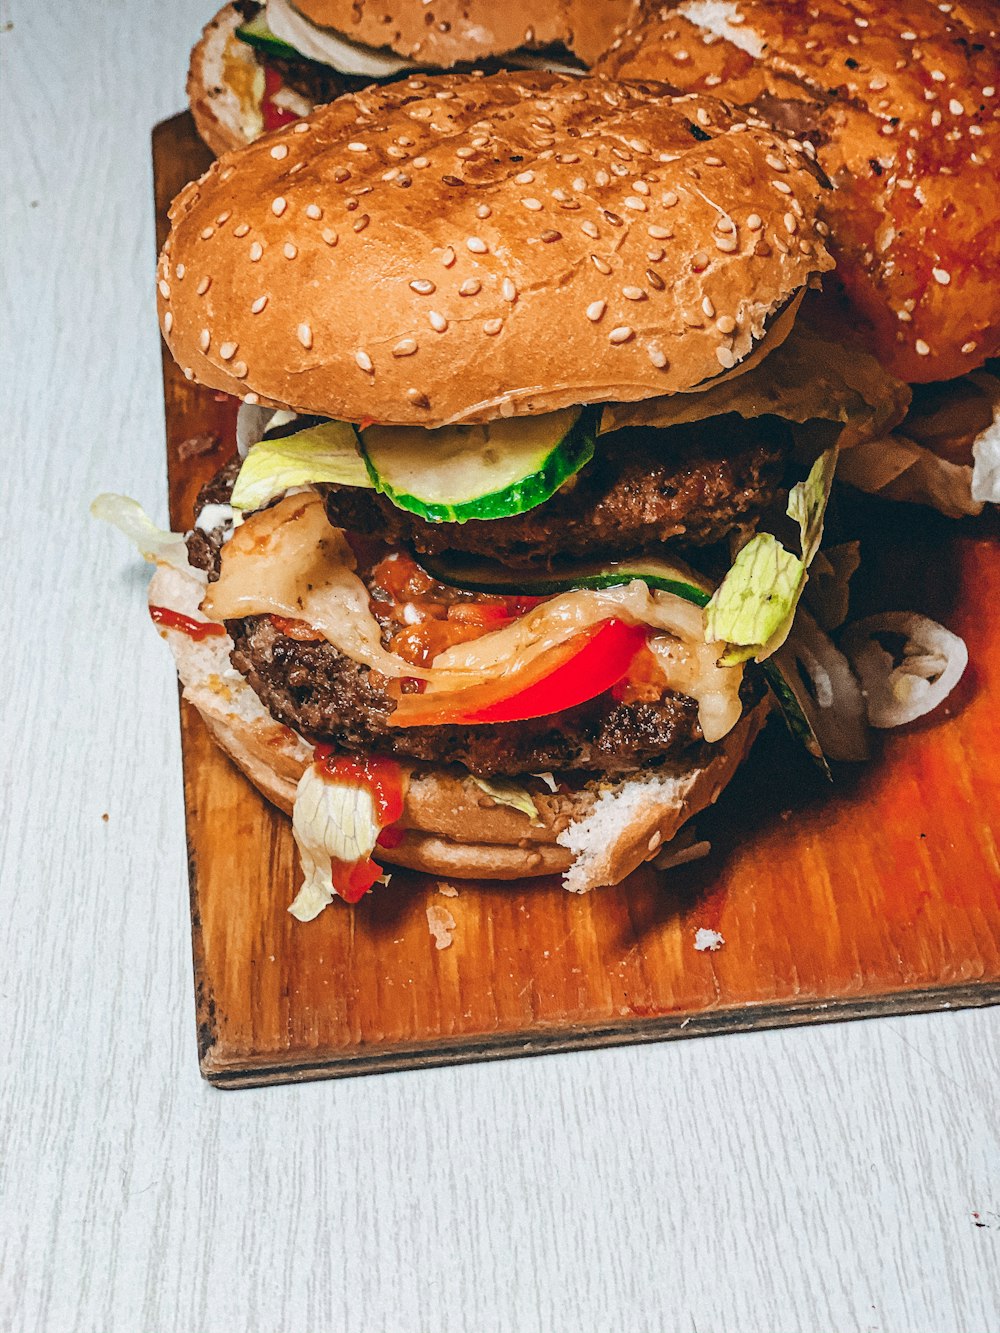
(274,116)
(194,629)
(384,779)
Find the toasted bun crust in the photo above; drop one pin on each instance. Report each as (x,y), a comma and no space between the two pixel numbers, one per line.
(902,102)
(224,84)
(426,252)
(456,31)
(594,836)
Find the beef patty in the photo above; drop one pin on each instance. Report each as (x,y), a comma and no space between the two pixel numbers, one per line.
(696,492)
(692,485)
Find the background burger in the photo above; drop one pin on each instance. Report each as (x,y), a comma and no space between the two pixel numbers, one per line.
(531,471)
(261,65)
(900,105)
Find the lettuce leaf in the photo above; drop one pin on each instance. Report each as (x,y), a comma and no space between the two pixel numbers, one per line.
(753,608)
(157,545)
(328,452)
(509,793)
(332,817)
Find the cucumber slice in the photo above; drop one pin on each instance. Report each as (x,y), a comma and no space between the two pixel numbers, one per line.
(457,473)
(481,576)
(257,34)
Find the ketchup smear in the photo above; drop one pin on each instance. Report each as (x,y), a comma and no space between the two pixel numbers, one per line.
(194,629)
(384,779)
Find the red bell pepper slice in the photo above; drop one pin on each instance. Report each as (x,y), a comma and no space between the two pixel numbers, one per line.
(576,671)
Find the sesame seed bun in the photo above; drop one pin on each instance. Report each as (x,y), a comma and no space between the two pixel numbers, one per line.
(461,247)
(593,836)
(903,105)
(456,31)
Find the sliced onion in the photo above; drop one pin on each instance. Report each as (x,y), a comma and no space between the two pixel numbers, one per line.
(825,688)
(903,683)
(253,423)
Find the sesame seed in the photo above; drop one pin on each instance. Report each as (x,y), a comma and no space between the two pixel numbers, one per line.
(579,185)
(278,206)
(493,326)
(725,357)
(713,161)
(622,334)
(703,117)
(241,230)
(727,244)
(955,107)
(228,350)
(937,76)
(476,245)
(595,310)
(258,305)
(936,117)
(223,218)
(301,128)
(590,229)
(657,357)
(204,340)
(356,146)
(289,250)
(168,322)
(483,211)
(549,236)
(533,205)
(188,373)
(465,153)
(635,203)
(791,223)
(207,232)
(314,211)
(600,264)
(783,186)
(422,286)
(755,222)
(601,177)
(633,294)
(921,348)
(699,261)
(470,287)
(179,271)
(968,347)
(164,287)
(508,290)
(251,399)
(654,280)
(437,321)
(988,91)
(405,347)
(448,256)
(658,233)
(203,285)
(942,276)
(725,324)
(364,361)
(361,223)
(330,236)
(655,256)
(708,307)
(904,316)
(878,83)
(525,177)
(417,398)
(641,187)
(279,150)
(420,163)
(239,369)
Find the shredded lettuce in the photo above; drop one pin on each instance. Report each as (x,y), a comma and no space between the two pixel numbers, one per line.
(158,545)
(509,793)
(327,452)
(753,608)
(332,817)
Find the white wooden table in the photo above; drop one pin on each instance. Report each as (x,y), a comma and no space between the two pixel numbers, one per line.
(824,1179)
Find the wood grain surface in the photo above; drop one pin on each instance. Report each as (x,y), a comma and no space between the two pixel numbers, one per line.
(842,1177)
(881,894)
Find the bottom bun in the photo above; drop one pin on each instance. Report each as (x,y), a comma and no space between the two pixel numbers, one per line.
(593,836)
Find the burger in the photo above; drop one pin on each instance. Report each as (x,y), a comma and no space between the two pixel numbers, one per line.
(258,65)
(900,106)
(531,469)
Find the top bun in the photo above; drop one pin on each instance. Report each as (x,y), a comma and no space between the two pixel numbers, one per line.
(456,248)
(902,101)
(454,31)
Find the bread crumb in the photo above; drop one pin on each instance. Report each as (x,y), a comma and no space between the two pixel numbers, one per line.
(441,924)
(105,816)
(707,939)
(447,890)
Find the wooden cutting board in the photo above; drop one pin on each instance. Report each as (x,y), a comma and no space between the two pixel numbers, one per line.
(879,895)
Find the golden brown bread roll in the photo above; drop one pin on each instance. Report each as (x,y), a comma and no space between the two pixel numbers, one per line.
(902,103)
